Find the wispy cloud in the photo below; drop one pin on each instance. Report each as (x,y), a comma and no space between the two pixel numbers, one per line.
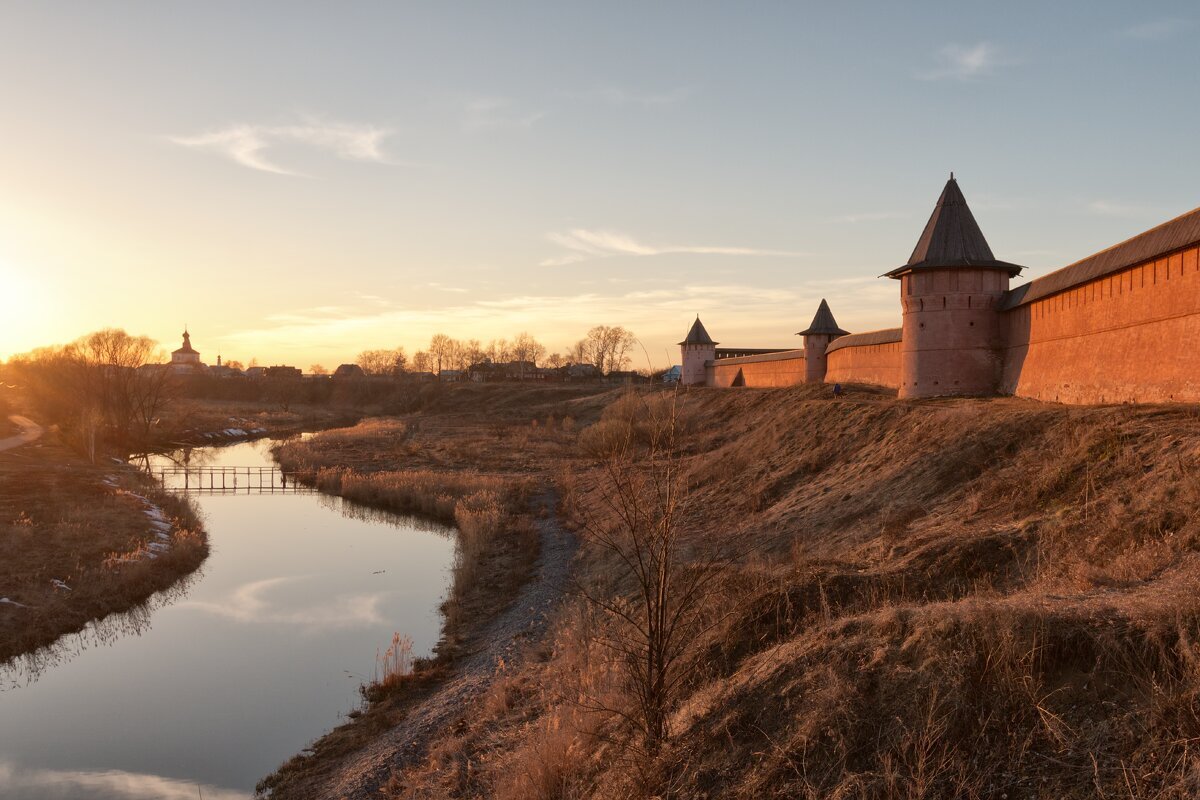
(34,783)
(248,603)
(1106,208)
(483,113)
(869,216)
(248,145)
(962,63)
(585,244)
(1162,28)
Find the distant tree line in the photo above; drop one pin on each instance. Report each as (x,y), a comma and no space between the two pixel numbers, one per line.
(607,348)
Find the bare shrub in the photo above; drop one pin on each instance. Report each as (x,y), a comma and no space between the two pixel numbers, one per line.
(637,519)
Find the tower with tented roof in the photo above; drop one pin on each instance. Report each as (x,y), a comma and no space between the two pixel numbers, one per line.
(696,349)
(949,290)
(817,336)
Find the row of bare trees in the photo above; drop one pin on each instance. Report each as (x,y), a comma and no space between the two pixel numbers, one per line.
(97,388)
(605,347)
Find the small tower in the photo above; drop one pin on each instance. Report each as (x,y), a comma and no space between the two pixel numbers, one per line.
(697,349)
(823,330)
(949,289)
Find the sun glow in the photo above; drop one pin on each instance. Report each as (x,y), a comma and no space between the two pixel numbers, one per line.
(24,311)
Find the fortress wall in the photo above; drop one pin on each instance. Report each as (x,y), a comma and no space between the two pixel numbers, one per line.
(1128,336)
(865,358)
(768,370)
(873,363)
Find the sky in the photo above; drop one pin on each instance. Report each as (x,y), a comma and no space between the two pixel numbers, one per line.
(297,182)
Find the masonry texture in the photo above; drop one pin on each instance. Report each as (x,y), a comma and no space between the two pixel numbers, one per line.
(1118,326)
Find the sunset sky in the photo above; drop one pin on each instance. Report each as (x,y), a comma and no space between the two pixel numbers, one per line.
(298,182)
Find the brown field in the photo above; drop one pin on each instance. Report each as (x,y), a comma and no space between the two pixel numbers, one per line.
(962,598)
(60,521)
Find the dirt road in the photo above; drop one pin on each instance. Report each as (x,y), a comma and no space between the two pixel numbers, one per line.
(30,432)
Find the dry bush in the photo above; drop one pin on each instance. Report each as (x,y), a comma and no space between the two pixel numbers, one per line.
(395,664)
(635,419)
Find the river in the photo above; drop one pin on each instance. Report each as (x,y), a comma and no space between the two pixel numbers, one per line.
(215,683)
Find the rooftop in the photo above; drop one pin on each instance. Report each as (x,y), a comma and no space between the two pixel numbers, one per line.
(952,238)
(1172,235)
(823,323)
(697,335)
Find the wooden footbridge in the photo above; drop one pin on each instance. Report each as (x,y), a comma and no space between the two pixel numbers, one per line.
(230,480)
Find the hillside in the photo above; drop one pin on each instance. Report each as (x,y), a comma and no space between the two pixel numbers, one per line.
(967,598)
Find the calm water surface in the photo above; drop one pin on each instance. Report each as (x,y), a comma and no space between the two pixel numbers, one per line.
(215,684)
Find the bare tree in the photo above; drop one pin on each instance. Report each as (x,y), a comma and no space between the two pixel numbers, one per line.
(382,362)
(638,519)
(421,362)
(473,353)
(607,347)
(317,369)
(107,382)
(499,351)
(441,351)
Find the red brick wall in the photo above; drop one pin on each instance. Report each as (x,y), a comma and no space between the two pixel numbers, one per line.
(878,364)
(761,371)
(1130,336)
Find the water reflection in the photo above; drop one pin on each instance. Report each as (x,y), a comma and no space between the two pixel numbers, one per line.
(243,665)
(61,784)
(24,670)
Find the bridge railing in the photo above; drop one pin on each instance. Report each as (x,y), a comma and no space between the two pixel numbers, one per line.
(229,480)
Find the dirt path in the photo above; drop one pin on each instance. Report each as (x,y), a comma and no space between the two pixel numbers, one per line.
(30,432)
(364,772)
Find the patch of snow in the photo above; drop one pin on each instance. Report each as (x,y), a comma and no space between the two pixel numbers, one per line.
(5,601)
(57,584)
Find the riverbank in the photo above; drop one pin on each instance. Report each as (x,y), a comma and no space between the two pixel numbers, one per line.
(189,422)
(483,461)
(80,541)
(936,598)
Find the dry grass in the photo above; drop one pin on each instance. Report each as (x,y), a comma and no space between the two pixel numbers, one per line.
(941,599)
(59,522)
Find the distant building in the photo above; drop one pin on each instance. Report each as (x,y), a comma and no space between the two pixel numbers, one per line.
(282,371)
(186,360)
(224,371)
(673,375)
(256,372)
(583,372)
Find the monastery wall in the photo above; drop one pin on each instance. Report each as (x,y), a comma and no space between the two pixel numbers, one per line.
(767,370)
(865,358)
(1128,336)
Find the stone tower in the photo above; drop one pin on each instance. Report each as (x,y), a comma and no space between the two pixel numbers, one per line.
(697,348)
(823,330)
(949,290)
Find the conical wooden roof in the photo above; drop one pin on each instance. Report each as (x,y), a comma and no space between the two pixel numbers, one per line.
(823,322)
(697,335)
(952,238)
